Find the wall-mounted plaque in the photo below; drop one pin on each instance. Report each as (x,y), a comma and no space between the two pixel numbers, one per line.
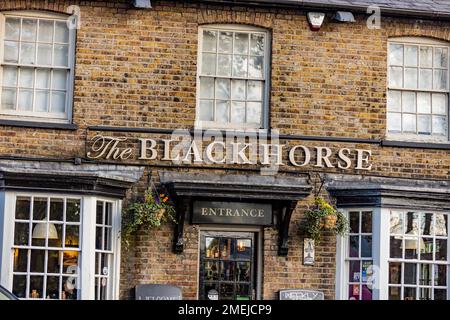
(157,292)
(216,212)
(308,251)
(301,294)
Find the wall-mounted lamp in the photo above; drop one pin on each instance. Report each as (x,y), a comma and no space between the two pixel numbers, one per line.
(315,20)
(344,16)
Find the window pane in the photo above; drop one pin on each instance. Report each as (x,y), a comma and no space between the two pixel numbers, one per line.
(238,112)
(410,273)
(366,223)
(208,64)
(58,102)
(69,289)
(223,89)
(43,78)
(411,56)
(8,99)
(255,67)
(440,294)
(241,43)
(222,111)
(227,270)
(440,275)
(355,272)
(240,66)
(255,89)
(209,41)
(19,286)
(20,260)
(395,272)
(426,248)
(440,57)
(409,123)
(396,245)
(70,262)
(426,221)
(354,221)
(439,125)
(59,80)
(423,102)
(394,102)
(257,44)
(25,100)
(45,31)
(424,124)
(37,260)
(238,89)
(410,77)
(72,236)
(53,261)
(395,293)
(56,209)
(439,103)
(44,54)
(52,291)
(23,208)
(42,101)
(29,28)
(26,77)
(440,226)
(61,32)
(21,234)
(225,42)
(11,52)
(206,110)
(426,57)
(441,249)
(426,79)
(224,65)
(254,110)
(396,77)
(354,246)
(206,88)
(12,29)
(366,246)
(73,210)
(9,76)
(409,102)
(36,287)
(440,79)
(61,55)
(396,54)
(27,53)
(39,209)
(354,292)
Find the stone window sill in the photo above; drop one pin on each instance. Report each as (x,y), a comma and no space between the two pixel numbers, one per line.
(35,124)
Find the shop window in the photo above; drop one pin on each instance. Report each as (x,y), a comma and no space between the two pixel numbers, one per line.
(36,67)
(359,256)
(53,238)
(418,89)
(232,77)
(418,261)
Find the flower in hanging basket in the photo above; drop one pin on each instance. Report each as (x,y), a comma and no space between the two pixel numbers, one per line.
(324,217)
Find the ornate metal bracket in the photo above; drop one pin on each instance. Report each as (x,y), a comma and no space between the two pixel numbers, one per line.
(285,214)
(183,206)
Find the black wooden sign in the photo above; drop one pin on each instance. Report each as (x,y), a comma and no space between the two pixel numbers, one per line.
(157,292)
(216,212)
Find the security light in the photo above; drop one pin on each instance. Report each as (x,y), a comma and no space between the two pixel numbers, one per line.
(315,20)
(344,16)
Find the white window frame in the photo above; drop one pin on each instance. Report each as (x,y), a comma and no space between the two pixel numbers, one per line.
(418,41)
(86,277)
(30,115)
(380,254)
(264,125)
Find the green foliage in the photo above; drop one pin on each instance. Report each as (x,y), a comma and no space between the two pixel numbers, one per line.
(321,218)
(149,213)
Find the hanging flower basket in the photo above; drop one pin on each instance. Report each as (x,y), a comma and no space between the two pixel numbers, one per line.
(149,213)
(324,217)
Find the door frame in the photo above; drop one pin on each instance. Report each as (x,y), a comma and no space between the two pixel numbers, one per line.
(258,252)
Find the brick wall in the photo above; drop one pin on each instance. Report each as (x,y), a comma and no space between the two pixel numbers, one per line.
(137,68)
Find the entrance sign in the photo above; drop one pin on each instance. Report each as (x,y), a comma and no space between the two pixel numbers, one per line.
(157,292)
(232,213)
(308,251)
(301,294)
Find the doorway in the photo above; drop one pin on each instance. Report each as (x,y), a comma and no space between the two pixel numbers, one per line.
(227,265)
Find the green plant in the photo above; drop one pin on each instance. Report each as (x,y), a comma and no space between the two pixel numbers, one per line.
(149,213)
(325,217)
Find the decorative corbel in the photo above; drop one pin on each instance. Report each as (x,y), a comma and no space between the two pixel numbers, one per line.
(283,231)
(182,207)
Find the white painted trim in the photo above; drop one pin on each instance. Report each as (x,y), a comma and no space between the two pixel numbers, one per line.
(87,274)
(340,285)
(419,41)
(380,249)
(7,209)
(116,246)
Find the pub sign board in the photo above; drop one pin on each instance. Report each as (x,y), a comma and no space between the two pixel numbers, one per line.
(242,213)
(157,292)
(301,294)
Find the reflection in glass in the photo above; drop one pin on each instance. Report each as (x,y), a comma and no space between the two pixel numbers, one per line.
(366,246)
(354,222)
(354,246)
(243,271)
(425,274)
(39,209)
(395,273)
(395,247)
(243,249)
(395,293)
(73,210)
(21,234)
(23,208)
(441,249)
(410,275)
(440,226)
(227,270)
(440,275)
(56,209)
(424,294)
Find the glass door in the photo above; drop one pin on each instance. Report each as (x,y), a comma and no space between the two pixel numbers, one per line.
(227,264)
